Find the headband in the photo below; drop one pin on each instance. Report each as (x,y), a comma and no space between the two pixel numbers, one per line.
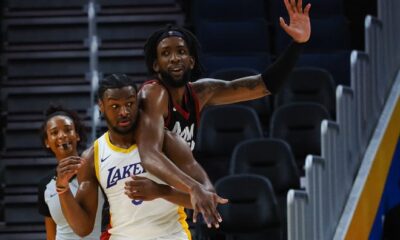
(170,33)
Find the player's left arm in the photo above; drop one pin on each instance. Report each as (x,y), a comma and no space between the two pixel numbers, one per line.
(215,92)
(179,152)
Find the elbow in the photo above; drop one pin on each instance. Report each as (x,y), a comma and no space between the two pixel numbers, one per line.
(83,232)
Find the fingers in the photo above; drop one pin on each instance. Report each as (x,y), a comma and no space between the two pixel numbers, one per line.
(133,191)
(307,9)
(293,6)
(210,214)
(300,6)
(283,24)
(288,7)
(195,213)
(221,200)
(69,165)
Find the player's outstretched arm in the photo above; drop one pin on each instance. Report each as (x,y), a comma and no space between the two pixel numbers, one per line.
(150,139)
(216,92)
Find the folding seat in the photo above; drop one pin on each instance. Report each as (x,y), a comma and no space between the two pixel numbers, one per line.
(299,124)
(216,62)
(328,35)
(309,84)
(232,10)
(262,105)
(273,159)
(221,129)
(319,9)
(336,63)
(252,211)
(234,37)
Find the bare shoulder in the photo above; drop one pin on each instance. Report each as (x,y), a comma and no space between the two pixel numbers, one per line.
(153,98)
(151,89)
(88,155)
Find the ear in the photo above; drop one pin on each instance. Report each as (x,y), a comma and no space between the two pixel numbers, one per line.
(156,67)
(192,62)
(101,105)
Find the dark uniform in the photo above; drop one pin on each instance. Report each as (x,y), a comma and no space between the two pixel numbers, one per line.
(183,120)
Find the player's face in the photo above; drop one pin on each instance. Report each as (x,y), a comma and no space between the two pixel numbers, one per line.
(61,136)
(173,63)
(120,107)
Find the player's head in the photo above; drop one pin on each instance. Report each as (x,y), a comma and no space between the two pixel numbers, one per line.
(62,132)
(172,55)
(117,99)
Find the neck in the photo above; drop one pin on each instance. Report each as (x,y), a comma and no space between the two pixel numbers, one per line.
(121,140)
(176,94)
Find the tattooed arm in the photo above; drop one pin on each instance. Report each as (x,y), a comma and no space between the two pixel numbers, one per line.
(216,92)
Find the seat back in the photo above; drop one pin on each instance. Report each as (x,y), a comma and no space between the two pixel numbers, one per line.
(252,211)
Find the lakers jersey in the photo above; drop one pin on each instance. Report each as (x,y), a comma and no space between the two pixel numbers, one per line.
(132,219)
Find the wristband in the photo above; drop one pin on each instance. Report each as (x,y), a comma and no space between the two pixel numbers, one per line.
(62,189)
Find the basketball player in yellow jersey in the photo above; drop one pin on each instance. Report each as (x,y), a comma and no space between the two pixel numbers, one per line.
(114,164)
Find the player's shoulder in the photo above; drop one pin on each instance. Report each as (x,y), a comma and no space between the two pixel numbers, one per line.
(88,153)
(151,87)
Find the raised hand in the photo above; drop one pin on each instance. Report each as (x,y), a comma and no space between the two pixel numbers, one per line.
(299,27)
(67,168)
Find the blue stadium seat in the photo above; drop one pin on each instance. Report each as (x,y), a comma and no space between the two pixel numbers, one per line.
(273,159)
(309,85)
(299,124)
(232,10)
(328,35)
(221,129)
(252,211)
(234,37)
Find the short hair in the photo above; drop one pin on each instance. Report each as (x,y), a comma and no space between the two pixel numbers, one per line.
(150,49)
(59,110)
(116,80)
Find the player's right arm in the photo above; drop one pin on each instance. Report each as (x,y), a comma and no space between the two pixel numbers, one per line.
(80,211)
(50,228)
(150,139)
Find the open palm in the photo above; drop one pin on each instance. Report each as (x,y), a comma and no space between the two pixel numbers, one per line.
(299,27)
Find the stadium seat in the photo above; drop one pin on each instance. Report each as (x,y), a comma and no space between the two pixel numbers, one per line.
(232,10)
(299,124)
(220,130)
(309,85)
(252,211)
(273,159)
